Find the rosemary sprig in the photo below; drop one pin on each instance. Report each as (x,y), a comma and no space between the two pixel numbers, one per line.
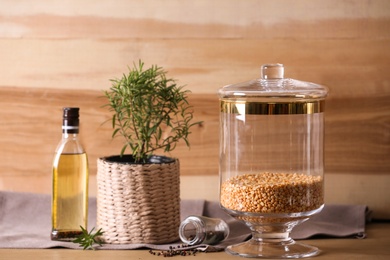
(88,240)
(150,111)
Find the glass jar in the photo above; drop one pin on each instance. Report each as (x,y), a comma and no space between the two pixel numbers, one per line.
(272,160)
(196,230)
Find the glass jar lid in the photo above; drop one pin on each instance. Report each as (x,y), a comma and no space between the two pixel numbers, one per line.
(273,84)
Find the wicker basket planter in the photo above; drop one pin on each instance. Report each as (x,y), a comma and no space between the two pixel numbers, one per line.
(138,203)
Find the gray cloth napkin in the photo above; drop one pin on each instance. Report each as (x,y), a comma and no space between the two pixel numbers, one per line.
(25,222)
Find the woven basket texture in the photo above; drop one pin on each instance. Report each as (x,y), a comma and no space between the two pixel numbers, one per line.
(138,203)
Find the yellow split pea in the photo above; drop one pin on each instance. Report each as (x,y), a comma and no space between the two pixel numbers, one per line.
(273,193)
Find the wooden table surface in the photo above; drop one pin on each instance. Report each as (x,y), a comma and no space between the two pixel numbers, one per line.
(375,246)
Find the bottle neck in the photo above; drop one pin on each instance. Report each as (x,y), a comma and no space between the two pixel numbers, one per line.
(67,135)
(70,131)
(192,231)
(70,144)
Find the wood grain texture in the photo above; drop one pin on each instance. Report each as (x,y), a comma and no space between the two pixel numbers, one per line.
(50,44)
(357,132)
(357,144)
(375,246)
(56,53)
(348,68)
(31,129)
(256,19)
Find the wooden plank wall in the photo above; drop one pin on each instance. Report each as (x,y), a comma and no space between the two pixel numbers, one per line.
(56,53)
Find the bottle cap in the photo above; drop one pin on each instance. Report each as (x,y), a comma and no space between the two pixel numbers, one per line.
(70,120)
(71,112)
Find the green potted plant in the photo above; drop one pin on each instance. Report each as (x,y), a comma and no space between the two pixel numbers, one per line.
(139,192)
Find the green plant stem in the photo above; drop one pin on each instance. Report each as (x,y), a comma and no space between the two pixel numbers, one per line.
(89,240)
(146,104)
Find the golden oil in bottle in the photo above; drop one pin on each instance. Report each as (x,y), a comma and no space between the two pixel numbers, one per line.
(70,182)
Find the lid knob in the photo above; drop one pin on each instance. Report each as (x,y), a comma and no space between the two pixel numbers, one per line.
(272,71)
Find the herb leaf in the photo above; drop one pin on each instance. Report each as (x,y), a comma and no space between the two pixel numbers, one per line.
(149,110)
(88,240)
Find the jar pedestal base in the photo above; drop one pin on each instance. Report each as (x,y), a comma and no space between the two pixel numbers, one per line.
(283,249)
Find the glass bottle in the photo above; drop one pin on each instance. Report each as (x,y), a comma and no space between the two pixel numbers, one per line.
(196,230)
(70,181)
(272,160)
